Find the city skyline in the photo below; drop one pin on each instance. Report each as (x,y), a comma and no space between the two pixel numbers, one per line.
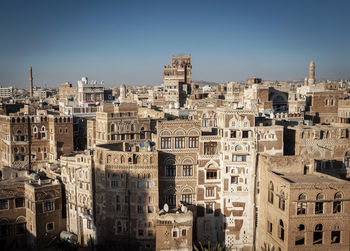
(121,42)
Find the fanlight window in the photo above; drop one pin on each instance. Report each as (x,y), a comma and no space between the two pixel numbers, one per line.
(301,204)
(319,204)
(270,193)
(338,203)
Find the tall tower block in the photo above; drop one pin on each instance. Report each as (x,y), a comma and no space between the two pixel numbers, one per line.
(312,73)
(31,82)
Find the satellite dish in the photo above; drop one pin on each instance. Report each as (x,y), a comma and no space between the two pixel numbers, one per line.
(182,208)
(166,207)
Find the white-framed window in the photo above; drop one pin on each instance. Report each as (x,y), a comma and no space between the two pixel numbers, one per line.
(187,198)
(175,233)
(210,192)
(239,158)
(149,184)
(48,206)
(211,174)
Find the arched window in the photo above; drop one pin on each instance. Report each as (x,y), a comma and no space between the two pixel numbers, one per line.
(112,127)
(18,120)
(19,132)
(238,148)
(300,235)
(318,234)
(132,127)
(35,129)
(282,201)
(281,230)
(301,204)
(43,132)
(335,235)
(4,227)
(138,160)
(270,193)
(347,159)
(109,159)
(319,204)
(338,203)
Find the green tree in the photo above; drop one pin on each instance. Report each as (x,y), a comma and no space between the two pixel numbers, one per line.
(208,247)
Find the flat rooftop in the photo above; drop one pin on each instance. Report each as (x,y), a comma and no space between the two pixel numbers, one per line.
(309,178)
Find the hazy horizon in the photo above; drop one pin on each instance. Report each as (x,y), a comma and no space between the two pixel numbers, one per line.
(130,41)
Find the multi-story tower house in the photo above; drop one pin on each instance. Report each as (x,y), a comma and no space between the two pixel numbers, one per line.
(344,111)
(296,103)
(236,175)
(177,80)
(126,194)
(31,140)
(89,93)
(31,210)
(77,176)
(229,141)
(322,107)
(67,92)
(118,123)
(301,209)
(178,146)
(174,230)
(324,143)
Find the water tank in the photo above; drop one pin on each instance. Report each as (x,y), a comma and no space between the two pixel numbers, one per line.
(84,80)
(34,176)
(68,236)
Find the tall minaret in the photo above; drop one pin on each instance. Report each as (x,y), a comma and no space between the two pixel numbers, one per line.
(122,95)
(31,82)
(312,73)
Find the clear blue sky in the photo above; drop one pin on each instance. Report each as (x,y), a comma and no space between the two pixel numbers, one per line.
(130,41)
